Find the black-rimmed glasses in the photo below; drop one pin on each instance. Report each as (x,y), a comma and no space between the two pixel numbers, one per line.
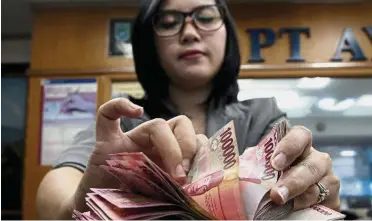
(206,18)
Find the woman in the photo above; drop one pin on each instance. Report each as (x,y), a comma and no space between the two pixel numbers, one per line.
(187,60)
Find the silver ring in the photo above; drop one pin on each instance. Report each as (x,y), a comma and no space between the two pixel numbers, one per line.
(323,192)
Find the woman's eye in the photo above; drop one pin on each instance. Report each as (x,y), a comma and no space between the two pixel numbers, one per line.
(167,22)
(168,25)
(206,19)
(208,15)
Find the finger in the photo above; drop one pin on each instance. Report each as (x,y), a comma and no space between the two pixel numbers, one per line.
(157,137)
(311,195)
(333,200)
(108,114)
(185,135)
(202,140)
(297,142)
(299,178)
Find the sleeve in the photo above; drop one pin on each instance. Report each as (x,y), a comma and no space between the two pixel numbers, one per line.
(77,154)
(276,116)
(259,116)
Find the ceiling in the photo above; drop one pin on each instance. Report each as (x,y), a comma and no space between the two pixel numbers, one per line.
(314,97)
(16,15)
(336,110)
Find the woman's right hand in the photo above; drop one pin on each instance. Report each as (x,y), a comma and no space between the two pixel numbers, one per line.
(170,144)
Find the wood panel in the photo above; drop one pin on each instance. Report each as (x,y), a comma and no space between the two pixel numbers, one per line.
(33,171)
(75,39)
(110,78)
(326,23)
(347,69)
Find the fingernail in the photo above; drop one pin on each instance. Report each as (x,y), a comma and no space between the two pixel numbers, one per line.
(180,172)
(279,161)
(186,164)
(134,106)
(283,192)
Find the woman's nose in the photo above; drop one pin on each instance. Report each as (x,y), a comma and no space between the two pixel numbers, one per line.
(189,33)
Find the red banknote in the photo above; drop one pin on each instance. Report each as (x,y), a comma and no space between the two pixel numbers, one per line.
(221,185)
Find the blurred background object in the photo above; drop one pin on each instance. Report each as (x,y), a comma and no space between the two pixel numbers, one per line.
(13,126)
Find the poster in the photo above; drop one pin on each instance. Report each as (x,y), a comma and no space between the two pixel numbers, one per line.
(132,88)
(120,38)
(68,107)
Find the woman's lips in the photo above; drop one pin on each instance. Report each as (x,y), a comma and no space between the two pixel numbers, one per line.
(191,54)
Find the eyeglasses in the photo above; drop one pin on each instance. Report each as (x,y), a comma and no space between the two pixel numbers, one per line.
(206,18)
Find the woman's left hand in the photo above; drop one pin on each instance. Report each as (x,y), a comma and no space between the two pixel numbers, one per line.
(303,167)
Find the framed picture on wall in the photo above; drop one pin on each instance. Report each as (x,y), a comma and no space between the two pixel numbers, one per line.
(120,38)
(68,107)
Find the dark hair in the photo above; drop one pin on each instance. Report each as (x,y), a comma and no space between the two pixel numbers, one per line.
(152,76)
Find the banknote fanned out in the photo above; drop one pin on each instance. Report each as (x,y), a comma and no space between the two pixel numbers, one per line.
(257,177)
(221,185)
(214,176)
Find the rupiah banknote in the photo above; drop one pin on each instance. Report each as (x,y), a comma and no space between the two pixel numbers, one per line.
(257,177)
(221,185)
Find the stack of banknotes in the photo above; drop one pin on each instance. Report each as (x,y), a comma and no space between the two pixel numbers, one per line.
(221,185)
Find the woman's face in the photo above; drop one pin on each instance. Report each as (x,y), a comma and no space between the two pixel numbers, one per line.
(191,57)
